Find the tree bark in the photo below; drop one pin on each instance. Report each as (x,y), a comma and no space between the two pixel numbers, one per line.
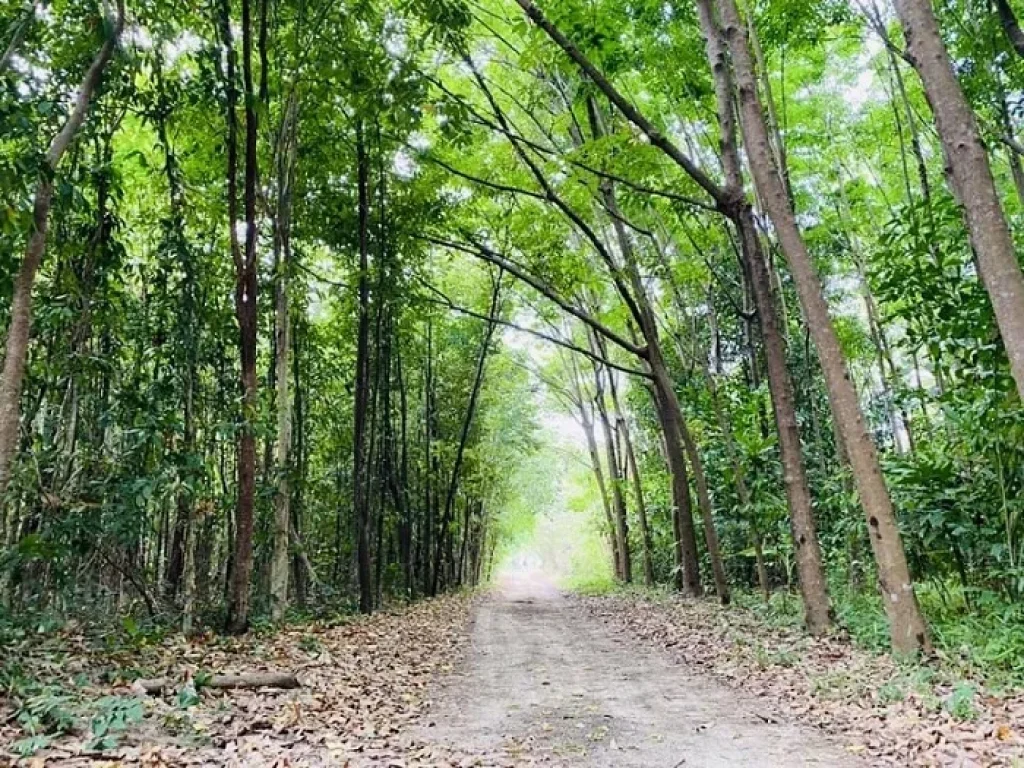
(909,632)
(18,30)
(595,462)
(19,328)
(279,563)
(624,566)
(813,583)
(360,463)
(1011,26)
(970,175)
(646,541)
(245,311)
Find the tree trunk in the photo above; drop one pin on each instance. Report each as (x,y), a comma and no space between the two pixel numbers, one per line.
(360,464)
(641,507)
(970,175)
(245,311)
(595,462)
(467,423)
(813,583)
(279,563)
(621,523)
(20,326)
(706,513)
(687,566)
(676,432)
(909,632)
(429,461)
(1011,26)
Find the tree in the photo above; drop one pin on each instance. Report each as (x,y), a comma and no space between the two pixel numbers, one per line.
(19,327)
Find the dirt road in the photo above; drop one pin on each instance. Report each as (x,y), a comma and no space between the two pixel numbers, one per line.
(546,684)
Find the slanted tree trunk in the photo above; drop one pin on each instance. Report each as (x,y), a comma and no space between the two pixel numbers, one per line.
(676,432)
(17,31)
(630,468)
(813,584)
(429,493)
(1011,26)
(245,311)
(970,173)
(909,632)
(20,326)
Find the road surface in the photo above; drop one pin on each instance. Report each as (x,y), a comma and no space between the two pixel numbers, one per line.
(546,684)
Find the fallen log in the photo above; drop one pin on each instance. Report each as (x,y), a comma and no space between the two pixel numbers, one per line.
(155,685)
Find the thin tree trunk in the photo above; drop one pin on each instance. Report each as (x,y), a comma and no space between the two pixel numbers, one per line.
(641,507)
(279,563)
(621,522)
(429,466)
(674,424)
(909,632)
(18,30)
(1011,26)
(245,311)
(20,325)
(706,513)
(360,485)
(453,483)
(595,462)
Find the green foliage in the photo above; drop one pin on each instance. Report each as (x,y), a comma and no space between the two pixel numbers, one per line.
(113,715)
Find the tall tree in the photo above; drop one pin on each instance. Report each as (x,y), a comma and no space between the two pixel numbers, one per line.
(970,173)
(908,630)
(20,325)
(245,311)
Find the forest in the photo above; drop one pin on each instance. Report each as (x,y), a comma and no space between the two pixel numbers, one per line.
(322,317)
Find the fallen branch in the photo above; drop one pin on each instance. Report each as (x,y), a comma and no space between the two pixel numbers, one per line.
(155,685)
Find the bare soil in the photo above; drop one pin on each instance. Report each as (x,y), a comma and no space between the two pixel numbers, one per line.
(546,683)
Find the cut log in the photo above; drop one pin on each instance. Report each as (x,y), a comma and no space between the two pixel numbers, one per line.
(246,680)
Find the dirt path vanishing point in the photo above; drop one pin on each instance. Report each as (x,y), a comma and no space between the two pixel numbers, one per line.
(545,684)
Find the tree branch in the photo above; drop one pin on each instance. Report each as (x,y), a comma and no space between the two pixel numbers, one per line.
(631,113)
(481,251)
(445,301)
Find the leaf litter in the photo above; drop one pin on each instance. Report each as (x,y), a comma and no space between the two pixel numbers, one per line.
(364,682)
(890,713)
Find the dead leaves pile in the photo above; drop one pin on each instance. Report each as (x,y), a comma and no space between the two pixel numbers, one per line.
(363,684)
(891,714)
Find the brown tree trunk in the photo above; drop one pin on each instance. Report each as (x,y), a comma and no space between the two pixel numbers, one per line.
(467,423)
(245,311)
(687,565)
(19,328)
(674,424)
(813,583)
(279,562)
(1011,26)
(647,545)
(360,463)
(706,514)
(970,176)
(621,522)
(909,632)
(595,462)
(429,462)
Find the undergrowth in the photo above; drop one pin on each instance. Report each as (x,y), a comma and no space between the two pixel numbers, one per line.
(976,635)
